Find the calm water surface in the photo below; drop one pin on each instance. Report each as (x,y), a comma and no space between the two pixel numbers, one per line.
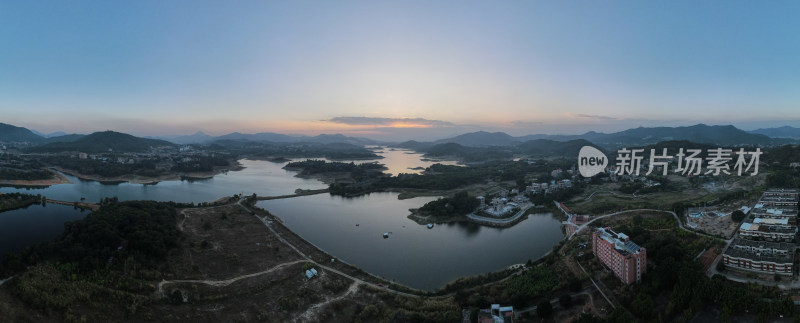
(261,177)
(398,161)
(413,255)
(21,228)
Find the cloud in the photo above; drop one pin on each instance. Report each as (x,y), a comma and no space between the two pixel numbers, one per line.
(390,122)
(590,116)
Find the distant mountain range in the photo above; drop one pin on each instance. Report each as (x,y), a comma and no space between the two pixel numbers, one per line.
(636,137)
(780,132)
(700,133)
(49,135)
(203,138)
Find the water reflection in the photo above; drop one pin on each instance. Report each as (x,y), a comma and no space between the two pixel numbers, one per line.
(21,228)
(413,254)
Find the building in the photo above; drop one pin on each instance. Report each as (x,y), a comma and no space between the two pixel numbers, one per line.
(626,259)
(496,314)
(759,211)
(537,187)
(768,229)
(779,197)
(760,257)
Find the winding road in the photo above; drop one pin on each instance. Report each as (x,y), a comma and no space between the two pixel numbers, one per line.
(308,259)
(680,224)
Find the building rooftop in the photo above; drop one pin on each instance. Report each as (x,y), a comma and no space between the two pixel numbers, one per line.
(620,241)
(782,191)
(776,252)
(784,221)
(766,228)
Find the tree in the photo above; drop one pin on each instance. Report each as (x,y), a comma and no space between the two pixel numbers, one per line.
(637,220)
(544,309)
(642,306)
(737,216)
(575,284)
(565,300)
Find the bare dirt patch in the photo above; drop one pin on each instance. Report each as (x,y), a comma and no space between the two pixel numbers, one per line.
(225,241)
(721,226)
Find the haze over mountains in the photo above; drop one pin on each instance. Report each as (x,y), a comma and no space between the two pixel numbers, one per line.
(724,135)
(700,133)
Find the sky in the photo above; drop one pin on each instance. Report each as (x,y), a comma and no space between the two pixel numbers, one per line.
(397,69)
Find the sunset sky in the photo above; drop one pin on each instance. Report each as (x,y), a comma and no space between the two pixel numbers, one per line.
(397,69)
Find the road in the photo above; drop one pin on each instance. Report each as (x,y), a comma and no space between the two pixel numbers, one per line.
(222,283)
(3,281)
(306,258)
(516,217)
(680,224)
(333,270)
(303,193)
(598,287)
(92,206)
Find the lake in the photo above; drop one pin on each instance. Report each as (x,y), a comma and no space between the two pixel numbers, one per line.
(24,227)
(261,177)
(413,255)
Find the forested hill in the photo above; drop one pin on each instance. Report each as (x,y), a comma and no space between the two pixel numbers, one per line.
(105,141)
(9,133)
(137,231)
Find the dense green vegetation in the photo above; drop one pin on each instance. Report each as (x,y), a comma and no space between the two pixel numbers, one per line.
(557,195)
(737,216)
(677,275)
(293,150)
(460,204)
(10,201)
(110,168)
(786,178)
(150,167)
(359,171)
(120,235)
(103,264)
(103,142)
(533,148)
(470,154)
(19,168)
(531,284)
(640,187)
(445,177)
(199,163)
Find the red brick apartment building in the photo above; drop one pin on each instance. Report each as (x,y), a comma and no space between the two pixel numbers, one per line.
(626,259)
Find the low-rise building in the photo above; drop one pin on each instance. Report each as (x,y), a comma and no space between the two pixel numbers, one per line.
(760,256)
(780,197)
(496,314)
(626,259)
(768,229)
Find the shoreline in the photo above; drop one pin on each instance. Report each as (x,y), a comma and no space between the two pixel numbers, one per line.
(449,289)
(135,179)
(499,223)
(58,178)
